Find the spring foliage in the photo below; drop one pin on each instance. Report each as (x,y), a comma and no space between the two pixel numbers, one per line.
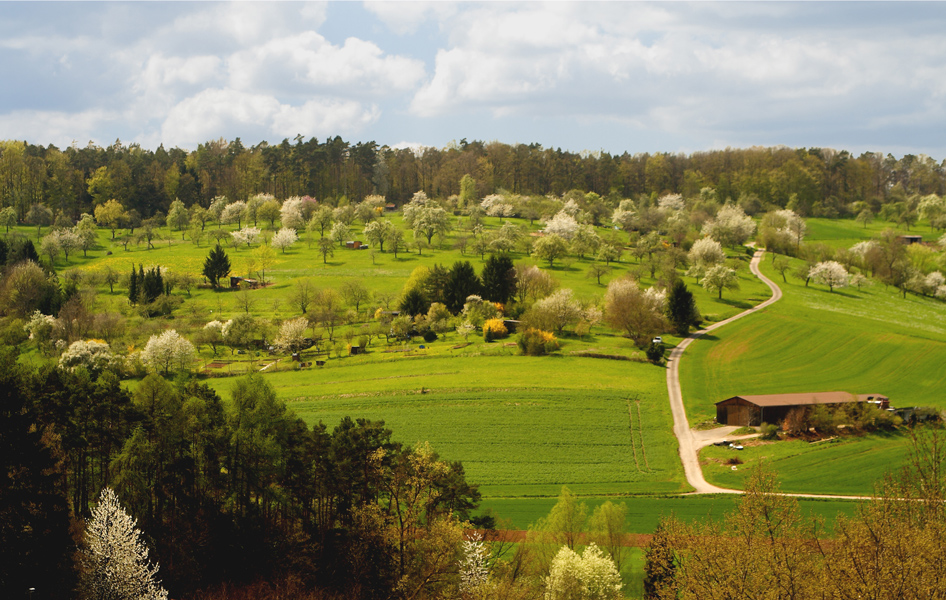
(116,559)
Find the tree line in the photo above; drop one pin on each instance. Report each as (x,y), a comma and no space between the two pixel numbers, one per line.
(812,181)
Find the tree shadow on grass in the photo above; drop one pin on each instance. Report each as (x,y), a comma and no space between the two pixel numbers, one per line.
(735,303)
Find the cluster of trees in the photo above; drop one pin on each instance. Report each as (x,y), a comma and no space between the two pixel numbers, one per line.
(767,548)
(813,181)
(222,491)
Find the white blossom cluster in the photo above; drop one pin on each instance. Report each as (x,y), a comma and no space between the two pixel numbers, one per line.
(589,576)
(117,565)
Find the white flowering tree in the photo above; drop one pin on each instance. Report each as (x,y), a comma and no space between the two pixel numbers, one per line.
(671,202)
(731,227)
(562,224)
(291,334)
(719,278)
(496,205)
(706,252)
(556,311)
(233,213)
(589,576)
(284,238)
(474,567)
(861,249)
(246,235)
(291,213)
(41,329)
(830,273)
(168,351)
(115,558)
(791,226)
(94,355)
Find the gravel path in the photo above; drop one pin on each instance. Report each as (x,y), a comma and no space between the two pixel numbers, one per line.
(689,440)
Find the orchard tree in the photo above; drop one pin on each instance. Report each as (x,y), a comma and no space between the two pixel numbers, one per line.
(554,312)
(830,273)
(639,313)
(93,355)
(216,266)
(8,219)
(550,248)
(233,213)
(589,576)
(326,249)
(284,238)
(178,216)
(719,278)
(291,336)
(377,232)
(111,214)
(340,233)
(168,351)
(430,221)
(321,220)
(246,235)
(731,226)
(706,252)
(115,558)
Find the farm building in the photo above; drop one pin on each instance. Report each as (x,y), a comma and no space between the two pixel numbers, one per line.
(755,410)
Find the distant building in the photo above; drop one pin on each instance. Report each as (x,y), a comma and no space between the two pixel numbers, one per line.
(755,410)
(910,239)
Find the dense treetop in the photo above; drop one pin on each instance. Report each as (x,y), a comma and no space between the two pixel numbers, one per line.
(824,182)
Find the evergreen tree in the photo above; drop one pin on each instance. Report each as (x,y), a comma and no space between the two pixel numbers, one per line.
(152,286)
(133,286)
(216,266)
(499,279)
(681,308)
(35,545)
(659,566)
(461,284)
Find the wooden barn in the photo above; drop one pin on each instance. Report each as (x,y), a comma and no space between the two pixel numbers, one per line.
(772,408)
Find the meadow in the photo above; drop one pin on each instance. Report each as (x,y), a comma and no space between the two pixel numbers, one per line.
(868,340)
(522,426)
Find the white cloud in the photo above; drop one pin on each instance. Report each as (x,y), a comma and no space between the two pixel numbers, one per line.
(214,113)
(407,17)
(57,127)
(307,61)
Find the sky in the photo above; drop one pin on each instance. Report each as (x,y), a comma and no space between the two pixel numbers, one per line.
(614,76)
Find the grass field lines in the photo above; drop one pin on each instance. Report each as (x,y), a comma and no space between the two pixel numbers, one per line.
(522,426)
(637,434)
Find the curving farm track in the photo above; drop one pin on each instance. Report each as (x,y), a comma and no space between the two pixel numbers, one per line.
(689,444)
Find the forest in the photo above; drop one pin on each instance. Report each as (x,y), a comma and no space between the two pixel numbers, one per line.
(812,182)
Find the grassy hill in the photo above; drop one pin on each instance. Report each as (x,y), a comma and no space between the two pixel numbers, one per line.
(861,341)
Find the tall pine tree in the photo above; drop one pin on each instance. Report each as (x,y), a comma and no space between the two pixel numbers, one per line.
(133,286)
(681,308)
(216,265)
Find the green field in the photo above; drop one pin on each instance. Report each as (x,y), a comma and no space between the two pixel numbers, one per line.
(643,512)
(849,466)
(861,341)
(522,426)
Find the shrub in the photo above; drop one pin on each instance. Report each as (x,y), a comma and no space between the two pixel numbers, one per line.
(535,342)
(769,431)
(494,329)
(655,352)
(430,336)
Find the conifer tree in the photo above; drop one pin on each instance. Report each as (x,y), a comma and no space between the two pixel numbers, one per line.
(133,286)
(216,265)
(681,308)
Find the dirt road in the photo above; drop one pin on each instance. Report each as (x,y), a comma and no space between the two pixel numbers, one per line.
(689,444)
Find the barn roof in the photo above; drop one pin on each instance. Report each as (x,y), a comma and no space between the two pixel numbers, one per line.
(806,398)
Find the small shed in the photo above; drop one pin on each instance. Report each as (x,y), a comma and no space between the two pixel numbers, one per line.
(236,281)
(910,239)
(390,207)
(773,408)
(353,245)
